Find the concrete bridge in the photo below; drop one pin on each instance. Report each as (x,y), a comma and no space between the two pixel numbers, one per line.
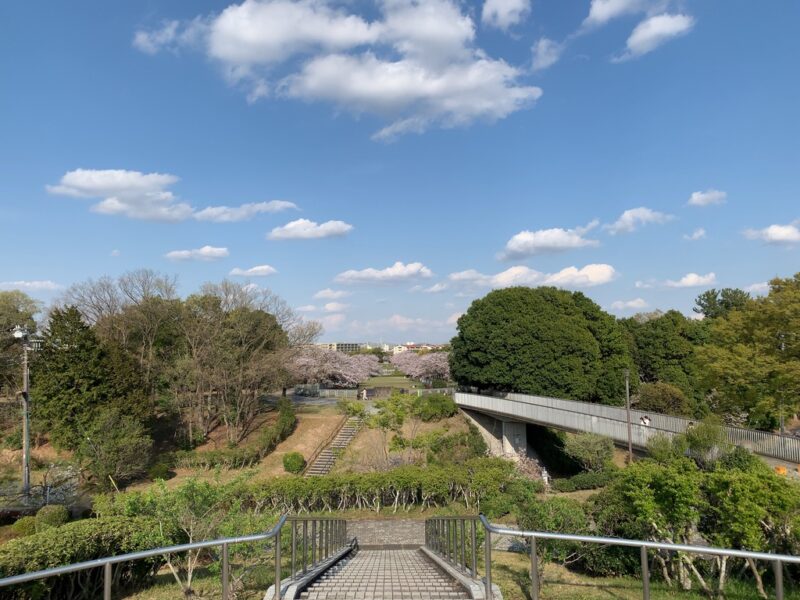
(502,420)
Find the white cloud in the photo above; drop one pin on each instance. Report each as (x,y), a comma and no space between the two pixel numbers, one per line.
(569,277)
(244,212)
(435,288)
(329,294)
(304,229)
(397,272)
(306,308)
(528,243)
(41,285)
(692,280)
(257,271)
(415,64)
(635,304)
(453,319)
(504,13)
(761,288)
(653,32)
(697,234)
(546,53)
(707,198)
(206,253)
(603,11)
(633,218)
(335,307)
(645,285)
(333,321)
(776,234)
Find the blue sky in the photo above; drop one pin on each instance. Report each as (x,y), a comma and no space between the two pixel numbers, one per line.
(409,157)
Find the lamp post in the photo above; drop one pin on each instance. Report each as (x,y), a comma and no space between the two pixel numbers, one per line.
(628,411)
(21,333)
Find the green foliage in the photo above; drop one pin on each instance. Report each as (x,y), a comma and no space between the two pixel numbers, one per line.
(50,516)
(16,308)
(243,457)
(559,515)
(707,442)
(351,408)
(663,449)
(435,407)
(541,341)
(456,448)
(663,398)
(549,446)
(718,303)
(590,480)
(13,440)
(592,451)
(159,470)
(293,462)
(76,542)
(24,526)
(74,376)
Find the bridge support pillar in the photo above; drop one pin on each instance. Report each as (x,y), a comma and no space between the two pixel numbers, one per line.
(504,438)
(515,440)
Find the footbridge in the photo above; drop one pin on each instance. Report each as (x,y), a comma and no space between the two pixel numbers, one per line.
(502,419)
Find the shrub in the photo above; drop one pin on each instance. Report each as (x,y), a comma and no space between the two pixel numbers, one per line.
(663,398)
(76,542)
(159,471)
(293,462)
(24,526)
(435,407)
(13,441)
(561,515)
(591,450)
(591,480)
(351,408)
(50,516)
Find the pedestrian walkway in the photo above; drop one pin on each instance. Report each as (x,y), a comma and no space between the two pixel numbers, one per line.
(324,462)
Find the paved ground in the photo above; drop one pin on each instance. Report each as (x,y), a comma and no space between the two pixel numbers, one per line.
(385,575)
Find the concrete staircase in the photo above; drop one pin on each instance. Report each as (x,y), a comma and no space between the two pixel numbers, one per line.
(327,458)
(385,575)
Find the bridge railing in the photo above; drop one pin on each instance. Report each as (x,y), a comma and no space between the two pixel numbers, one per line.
(312,540)
(612,422)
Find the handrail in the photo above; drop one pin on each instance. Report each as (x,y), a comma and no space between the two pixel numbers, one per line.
(323,541)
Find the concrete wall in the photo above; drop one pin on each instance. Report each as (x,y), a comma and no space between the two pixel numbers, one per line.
(504,438)
(387,533)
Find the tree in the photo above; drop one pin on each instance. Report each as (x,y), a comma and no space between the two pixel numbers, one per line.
(662,398)
(591,450)
(16,308)
(75,376)
(541,341)
(718,303)
(427,366)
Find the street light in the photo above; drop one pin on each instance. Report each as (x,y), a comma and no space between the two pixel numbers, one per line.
(20,333)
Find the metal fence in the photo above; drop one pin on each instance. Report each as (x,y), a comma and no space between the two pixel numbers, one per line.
(312,540)
(611,421)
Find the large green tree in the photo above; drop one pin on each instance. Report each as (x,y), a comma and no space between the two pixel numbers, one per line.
(542,341)
(718,303)
(16,308)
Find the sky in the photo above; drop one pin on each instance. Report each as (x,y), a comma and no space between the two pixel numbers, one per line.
(382,164)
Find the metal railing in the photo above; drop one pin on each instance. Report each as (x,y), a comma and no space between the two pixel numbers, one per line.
(446,536)
(313,538)
(611,421)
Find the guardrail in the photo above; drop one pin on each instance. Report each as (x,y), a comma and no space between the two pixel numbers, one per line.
(447,537)
(317,538)
(611,421)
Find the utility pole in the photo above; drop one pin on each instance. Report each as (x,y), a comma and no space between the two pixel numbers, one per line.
(628,411)
(21,334)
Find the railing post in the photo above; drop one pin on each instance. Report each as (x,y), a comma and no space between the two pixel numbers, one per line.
(487,563)
(313,543)
(447,539)
(305,545)
(294,547)
(645,574)
(474,551)
(278,565)
(778,567)
(107,576)
(534,571)
(463,546)
(225,573)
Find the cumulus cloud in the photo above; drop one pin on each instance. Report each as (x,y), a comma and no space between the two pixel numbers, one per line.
(761,288)
(38,285)
(453,319)
(504,13)
(415,65)
(635,304)
(707,198)
(603,11)
(633,218)
(692,280)
(244,212)
(569,277)
(333,321)
(146,196)
(653,32)
(329,294)
(397,272)
(785,235)
(335,307)
(257,271)
(697,234)
(542,241)
(546,53)
(206,253)
(304,229)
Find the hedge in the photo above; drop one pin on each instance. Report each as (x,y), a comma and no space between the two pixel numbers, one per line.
(50,516)
(77,542)
(589,480)
(240,458)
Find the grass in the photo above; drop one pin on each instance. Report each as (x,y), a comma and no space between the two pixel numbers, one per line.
(395,381)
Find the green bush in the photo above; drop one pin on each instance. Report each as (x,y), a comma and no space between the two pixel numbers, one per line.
(76,542)
(435,407)
(293,462)
(159,471)
(663,398)
(351,408)
(52,515)
(561,515)
(24,526)
(591,450)
(591,480)
(13,441)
